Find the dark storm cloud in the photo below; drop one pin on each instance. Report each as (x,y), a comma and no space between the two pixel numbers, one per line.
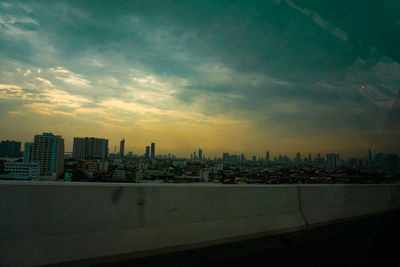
(251,55)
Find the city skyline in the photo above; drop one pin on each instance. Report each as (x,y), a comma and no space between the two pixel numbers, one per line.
(226,76)
(147,151)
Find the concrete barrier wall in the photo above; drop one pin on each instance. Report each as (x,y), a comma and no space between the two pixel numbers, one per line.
(53,222)
(325,203)
(50,222)
(396,195)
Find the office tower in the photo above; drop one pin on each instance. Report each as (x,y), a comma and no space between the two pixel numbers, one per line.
(147,155)
(122,148)
(153,150)
(392,161)
(309,158)
(267,156)
(332,161)
(88,148)
(10,149)
(298,157)
(369,156)
(194,155)
(200,154)
(28,152)
(48,150)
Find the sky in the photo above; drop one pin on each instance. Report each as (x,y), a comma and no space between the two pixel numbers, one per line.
(226,76)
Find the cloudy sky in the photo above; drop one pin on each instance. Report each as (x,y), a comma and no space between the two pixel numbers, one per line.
(227,76)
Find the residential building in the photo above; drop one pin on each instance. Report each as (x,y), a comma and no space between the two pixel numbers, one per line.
(48,150)
(90,148)
(10,149)
(28,152)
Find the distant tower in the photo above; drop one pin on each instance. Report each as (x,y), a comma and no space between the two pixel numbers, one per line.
(147,152)
(267,156)
(298,157)
(122,148)
(369,156)
(332,161)
(200,154)
(153,150)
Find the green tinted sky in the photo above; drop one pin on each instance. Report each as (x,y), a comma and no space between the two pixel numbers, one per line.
(235,76)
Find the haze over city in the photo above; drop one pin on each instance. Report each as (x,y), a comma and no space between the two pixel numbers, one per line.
(235,77)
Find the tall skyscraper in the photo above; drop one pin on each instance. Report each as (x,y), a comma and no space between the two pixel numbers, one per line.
(48,150)
(298,157)
(122,148)
(10,149)
(88,148)
(28,152)
(332,161)
(370,161)
(153,150)
(267,156)
(147,155)
(200,154)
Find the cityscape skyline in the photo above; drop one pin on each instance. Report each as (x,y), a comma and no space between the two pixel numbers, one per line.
(148,151)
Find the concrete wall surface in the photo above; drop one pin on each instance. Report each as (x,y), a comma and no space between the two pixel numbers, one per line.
(396,195)
(324,203)
(50,222)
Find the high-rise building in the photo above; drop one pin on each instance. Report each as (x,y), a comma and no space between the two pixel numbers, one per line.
(28,152)
(10,149)
(332,161)
(153,150)
(48,150)
(370,161)
(147,155)
(200,154)
(122,148)
(298,157)
(393,161)
(89,148)
(267,156)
